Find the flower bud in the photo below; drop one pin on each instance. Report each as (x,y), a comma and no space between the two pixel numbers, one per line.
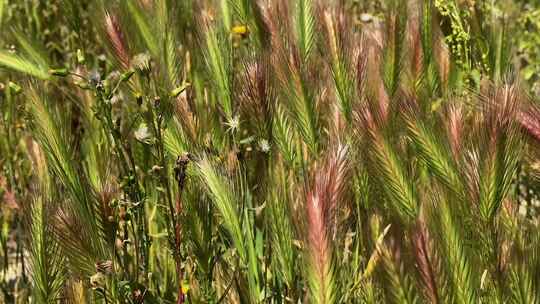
(80,57)
(157,101)
(59,72)
(15,88)
(240,30)
(139,98)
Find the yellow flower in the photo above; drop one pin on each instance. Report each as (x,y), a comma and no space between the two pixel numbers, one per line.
(185,287)
(240,30)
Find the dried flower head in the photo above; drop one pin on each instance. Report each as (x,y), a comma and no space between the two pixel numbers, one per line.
(142,63)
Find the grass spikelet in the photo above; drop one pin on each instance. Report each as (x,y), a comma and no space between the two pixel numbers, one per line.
(529,120)
(458,259)
(168,42)
(391,171)
(219,62)
(117,40)
(281,228)
(228,207)
(321,202)
(434,153)
(284,135)
(523,287)
(305,28)
(23,65)
(144,28)
(401,288)
(304,111)
(423,254)
(83,204)
(257,100)
(503,149)
(455,128)
(343,80)
(186,117)
(393,50)
(225,203)
(47,263)
(32,50)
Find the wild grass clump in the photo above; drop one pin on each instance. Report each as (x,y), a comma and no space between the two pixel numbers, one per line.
(266,152)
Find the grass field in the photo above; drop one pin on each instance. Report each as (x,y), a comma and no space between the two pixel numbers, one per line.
(269,151)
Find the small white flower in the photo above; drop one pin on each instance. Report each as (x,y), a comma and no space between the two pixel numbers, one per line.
(264,145)
(233,124)
(366,18)
(143,134)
